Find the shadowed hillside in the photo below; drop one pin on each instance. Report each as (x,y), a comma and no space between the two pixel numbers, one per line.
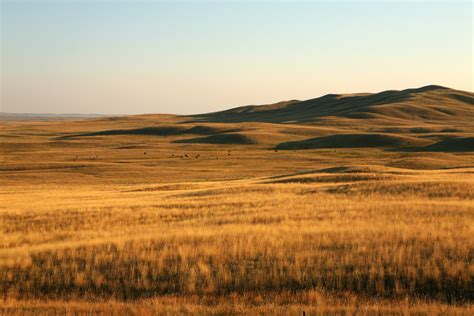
(428,104)
(230,138)
(452,144)
(354,141)
(155,131)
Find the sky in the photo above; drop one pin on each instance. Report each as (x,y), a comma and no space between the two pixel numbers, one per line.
(132,57)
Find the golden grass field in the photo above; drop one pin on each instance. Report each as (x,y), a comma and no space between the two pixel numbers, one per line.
(161,214)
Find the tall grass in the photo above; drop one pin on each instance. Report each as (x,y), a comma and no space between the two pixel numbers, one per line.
(390,237)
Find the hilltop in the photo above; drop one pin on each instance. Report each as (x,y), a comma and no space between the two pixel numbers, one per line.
(429,104)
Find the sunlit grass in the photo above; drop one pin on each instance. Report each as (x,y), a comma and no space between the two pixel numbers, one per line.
(389,239)
(237,230)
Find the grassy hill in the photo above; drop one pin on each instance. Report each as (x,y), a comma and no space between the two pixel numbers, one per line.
(430,104)
(430,118)
(357,204)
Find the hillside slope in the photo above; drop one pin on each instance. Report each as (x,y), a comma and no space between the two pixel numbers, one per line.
(428,119)
(430,104)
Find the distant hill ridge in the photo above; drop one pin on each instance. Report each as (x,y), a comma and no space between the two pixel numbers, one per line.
(431,103)
(426,119)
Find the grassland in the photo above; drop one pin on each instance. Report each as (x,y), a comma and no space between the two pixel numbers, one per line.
(133,215)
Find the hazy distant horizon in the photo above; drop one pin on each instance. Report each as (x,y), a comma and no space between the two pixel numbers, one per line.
(72,114)
(91,57)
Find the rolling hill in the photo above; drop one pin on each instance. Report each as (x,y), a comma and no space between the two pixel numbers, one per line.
(354,141)
(434,104)
(430,119)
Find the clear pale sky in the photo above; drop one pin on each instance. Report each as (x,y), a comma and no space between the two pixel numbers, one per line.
(193,57)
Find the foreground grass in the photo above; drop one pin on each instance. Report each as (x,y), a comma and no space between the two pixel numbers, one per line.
(136,224)
(380,235)
(286,303)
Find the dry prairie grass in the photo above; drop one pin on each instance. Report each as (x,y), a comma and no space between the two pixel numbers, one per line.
(241,237)
(288,303)
(255,231)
